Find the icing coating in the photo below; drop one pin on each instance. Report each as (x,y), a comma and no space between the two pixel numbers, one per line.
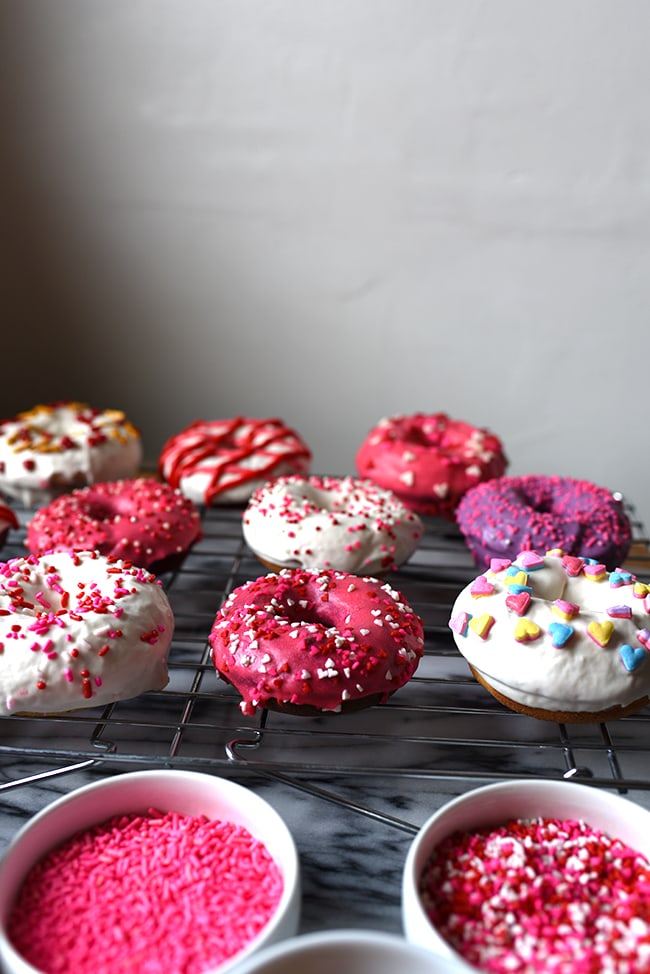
(79,630)
(330,522)
(544,633)
(429,461)
(322,640)
(140,520)
(509,514)
(62,445)
(224,460)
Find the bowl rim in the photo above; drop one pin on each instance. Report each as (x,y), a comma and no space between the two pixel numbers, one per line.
(172,780)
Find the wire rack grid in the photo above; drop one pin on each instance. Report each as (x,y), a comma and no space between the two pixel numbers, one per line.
(441,726)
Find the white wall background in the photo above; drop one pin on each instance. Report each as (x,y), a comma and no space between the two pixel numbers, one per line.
(331,212)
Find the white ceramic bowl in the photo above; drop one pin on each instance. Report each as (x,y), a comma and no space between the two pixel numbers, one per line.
(185,792)
(497,804)
(348,952)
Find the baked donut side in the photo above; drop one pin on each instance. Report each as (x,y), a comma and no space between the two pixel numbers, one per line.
(79,630)
(223,461)
(313,642)
(557,637)
(430,460)
(141,520)
(508,514)
(59,446)
(344,523)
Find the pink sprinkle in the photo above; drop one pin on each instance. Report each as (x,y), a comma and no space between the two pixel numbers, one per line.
(155,892)
(539,896)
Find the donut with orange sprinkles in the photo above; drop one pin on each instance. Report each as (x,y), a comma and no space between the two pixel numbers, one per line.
(140,520)
(57,447)
(223,461)
(430,460)
(79,630)
(308,642)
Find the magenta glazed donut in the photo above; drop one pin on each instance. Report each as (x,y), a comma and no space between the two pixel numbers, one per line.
(430,461)
(142,521)
(511,514)
(306,642)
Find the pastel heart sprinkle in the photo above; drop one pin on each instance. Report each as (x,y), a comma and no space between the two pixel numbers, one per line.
(526,631)
(558,552)
(619,612)
(560,633)
(620,577)
(595,573)
(530,561)
(519,602)
(632,656)
(459,623)
(499,564)
(640,590)
(481,625)
(600,632)
(480,587)
(573,566)
(566,610)
(516,577)
(516,589)
(643,635)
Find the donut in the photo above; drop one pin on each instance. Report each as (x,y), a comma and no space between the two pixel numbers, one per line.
(141,520)
(79,630)
(8,520)
(429,461)
(57,447)
(509,514)
(343,523)
(223,461)
(311,642)
(557,636)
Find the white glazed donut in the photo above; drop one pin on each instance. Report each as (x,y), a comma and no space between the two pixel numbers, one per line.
(56,447)
(79,630)
(343,523)
(557,636)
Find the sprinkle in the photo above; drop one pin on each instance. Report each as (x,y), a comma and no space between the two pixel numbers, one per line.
(600,632)
(481,587)
(527,631)
(518,602)
(566,610)
(460,623)
(560,633)
(632,656)
(482,624)
(619,611)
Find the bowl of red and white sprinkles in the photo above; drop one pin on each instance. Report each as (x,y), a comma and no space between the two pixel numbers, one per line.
(533,876)
(155,871)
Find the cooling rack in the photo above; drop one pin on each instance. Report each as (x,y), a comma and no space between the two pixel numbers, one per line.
(441,726)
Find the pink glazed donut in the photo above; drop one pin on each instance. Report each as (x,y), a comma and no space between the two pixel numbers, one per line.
(143,521)
(306,642)
(429,461)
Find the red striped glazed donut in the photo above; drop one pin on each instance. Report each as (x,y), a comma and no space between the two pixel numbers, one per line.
(429,461)
(307,642)
(224,460)
(141,520)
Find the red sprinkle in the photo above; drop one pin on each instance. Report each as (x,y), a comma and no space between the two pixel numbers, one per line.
(545,895)
(156,892)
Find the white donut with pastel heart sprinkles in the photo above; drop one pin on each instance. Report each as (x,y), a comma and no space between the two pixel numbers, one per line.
(557,636)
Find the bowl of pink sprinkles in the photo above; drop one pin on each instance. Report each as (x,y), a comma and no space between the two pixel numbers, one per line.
(532,876)
(154,871)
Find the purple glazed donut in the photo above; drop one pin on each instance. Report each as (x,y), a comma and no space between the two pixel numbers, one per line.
(512,514)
